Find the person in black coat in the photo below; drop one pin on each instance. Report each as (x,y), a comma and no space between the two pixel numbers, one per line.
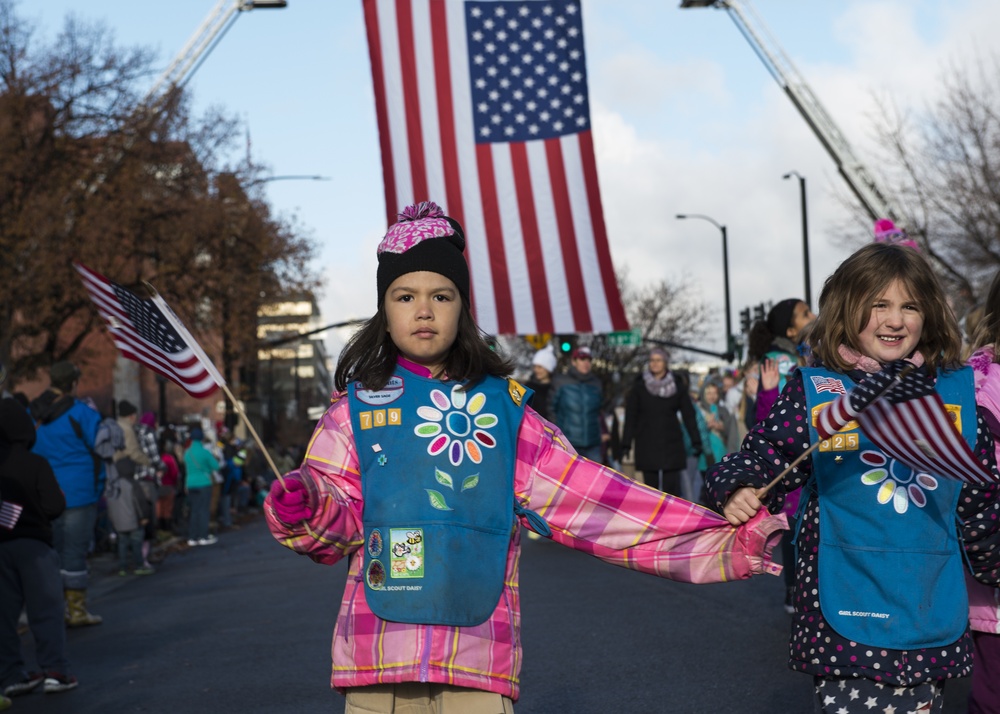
(651,422)
(30,498)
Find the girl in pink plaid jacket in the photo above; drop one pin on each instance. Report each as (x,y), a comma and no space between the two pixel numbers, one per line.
(424,423)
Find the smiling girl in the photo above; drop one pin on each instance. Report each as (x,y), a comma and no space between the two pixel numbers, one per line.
(422,472)
(872,531)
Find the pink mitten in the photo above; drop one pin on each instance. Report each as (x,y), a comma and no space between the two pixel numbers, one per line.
(291,501)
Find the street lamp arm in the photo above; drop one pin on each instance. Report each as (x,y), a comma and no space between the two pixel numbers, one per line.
(682,216)
(725,277)
(266,179)
(266,344)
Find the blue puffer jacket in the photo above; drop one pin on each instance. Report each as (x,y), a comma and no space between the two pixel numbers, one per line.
(576,407)
(68,454)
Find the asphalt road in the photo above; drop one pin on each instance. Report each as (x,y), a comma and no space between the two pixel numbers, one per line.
(245,626)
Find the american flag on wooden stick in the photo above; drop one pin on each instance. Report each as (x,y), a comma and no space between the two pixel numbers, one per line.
(147,330)
(9,514)
(483,108)
(901,412)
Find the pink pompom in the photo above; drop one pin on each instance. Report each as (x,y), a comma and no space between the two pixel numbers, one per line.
(887,232)
(884,226)
(424,209)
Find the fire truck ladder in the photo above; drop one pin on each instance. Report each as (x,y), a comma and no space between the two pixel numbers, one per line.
(860,180)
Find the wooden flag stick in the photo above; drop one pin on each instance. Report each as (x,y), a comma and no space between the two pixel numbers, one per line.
(253,432)
(763,492)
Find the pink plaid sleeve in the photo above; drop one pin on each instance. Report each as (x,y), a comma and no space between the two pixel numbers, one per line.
(599,511)
(330,471)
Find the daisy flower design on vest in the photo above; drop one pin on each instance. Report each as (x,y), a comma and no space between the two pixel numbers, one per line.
(456,425)
(896,481)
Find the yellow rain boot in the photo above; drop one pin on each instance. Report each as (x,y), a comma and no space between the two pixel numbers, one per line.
(76,610)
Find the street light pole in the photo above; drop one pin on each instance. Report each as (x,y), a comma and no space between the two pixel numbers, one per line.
(725,277)
(805,234)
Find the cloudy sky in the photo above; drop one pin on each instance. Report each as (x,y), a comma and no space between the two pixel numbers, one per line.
(686,120)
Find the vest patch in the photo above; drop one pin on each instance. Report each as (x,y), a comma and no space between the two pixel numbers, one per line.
(516,392)
(392,391)
(380,417)
(375,575)
(407,559)
(375,543)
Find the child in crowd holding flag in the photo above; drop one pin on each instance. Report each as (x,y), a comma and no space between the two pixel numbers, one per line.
(881,615)
(984,601)
(422,472)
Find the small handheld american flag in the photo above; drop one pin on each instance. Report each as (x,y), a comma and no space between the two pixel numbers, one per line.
(148,331)
(10,512)
(901,412)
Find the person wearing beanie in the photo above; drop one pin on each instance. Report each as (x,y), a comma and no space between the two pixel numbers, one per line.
(575,404)
(543,364)
(421,471)
(651,423)
(66,437)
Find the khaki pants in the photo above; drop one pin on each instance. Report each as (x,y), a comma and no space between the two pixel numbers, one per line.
(418,698)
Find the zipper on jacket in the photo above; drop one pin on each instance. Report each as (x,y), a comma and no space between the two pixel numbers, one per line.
(425,656)
(350,607)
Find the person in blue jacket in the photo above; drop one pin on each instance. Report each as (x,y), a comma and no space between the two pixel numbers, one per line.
(576,405)
(67,432)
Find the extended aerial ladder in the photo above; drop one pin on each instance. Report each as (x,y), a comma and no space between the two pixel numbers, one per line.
(858,177)
(212,29)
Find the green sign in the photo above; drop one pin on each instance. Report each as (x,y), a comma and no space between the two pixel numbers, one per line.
(625,339)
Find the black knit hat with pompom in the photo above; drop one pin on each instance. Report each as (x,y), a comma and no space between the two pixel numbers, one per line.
(423,239)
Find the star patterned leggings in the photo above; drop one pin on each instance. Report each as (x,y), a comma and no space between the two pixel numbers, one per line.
(848,696)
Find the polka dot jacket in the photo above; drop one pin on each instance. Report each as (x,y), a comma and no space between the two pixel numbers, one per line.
(815,648)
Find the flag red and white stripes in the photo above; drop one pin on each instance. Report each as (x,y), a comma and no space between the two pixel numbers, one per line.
(148,331)
(9,514)
(920,433)
(906,418)
(482,107)
(835,417)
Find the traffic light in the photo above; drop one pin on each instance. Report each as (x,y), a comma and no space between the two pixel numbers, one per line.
(566,343)
(759,313)
(745,320)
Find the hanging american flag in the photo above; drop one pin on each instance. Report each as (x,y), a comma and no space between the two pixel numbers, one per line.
(910,423)
(148,331)
(482,107)
(9,513)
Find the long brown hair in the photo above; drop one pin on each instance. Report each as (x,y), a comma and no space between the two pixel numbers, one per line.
(370,355)
(846,301)
(988,329)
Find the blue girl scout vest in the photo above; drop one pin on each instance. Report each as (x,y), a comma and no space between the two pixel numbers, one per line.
(890,563)
(437,476)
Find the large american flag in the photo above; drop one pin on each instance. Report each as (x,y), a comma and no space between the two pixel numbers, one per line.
(906,418)
(483,107)
(148,331)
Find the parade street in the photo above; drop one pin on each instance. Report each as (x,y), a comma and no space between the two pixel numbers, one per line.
(245,626)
